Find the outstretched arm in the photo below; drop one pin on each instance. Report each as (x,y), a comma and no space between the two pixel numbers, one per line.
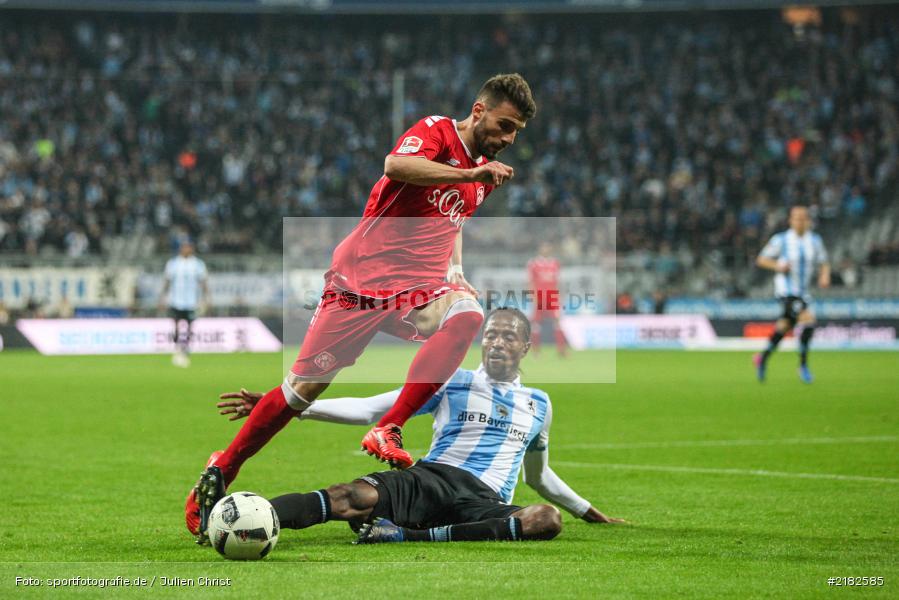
(351,411)
(348,411)
(544,480)
(550,486)
(410,169)
(455,274)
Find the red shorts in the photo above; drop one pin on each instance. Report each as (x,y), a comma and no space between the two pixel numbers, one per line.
(344,323)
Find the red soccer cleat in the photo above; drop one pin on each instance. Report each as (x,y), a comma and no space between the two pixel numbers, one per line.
(386,444)
(191,508)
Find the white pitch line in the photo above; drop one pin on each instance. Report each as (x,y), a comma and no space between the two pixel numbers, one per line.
(708,471)
(724,443)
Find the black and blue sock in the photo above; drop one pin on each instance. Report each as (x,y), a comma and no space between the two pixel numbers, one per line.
(298,511)
(479,531)
(773,341)
(804,340)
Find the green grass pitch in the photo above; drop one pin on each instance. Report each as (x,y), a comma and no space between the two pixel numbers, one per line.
(732,488)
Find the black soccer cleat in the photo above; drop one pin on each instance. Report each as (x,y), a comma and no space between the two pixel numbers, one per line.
(210,489)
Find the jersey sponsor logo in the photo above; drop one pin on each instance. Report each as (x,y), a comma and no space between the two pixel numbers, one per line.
(410,145)
(513,432)
(450,204)
(325,360)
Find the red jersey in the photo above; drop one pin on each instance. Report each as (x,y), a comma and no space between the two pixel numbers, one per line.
(543,273)
(385,255)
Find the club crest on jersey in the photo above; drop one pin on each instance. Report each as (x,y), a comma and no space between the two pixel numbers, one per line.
(480,197)
(348,300)
(325,360)
(453,162)
(532,407)
(450,204)
(410,145)
(502,411)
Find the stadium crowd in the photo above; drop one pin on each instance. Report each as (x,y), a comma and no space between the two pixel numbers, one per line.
(696,136)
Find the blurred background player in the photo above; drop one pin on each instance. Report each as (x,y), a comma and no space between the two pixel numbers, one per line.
(186,289)
(794,255)
(543,275)
(453,493)
(437,175)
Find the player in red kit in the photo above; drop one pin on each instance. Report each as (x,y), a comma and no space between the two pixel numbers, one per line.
(400,272)
(543,274)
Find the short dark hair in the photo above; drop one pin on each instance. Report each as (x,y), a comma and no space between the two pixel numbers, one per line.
(509,87)
(514,312)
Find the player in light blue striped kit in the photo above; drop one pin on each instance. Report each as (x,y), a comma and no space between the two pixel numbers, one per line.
(186,288)
(794,255)
(487,425)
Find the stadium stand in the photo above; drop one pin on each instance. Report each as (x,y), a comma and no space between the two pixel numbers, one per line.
(122,134)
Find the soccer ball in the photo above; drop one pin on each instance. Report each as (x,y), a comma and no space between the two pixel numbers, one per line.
(243,526)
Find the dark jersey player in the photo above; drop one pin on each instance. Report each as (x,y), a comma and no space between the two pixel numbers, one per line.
(399,271)
(488,427)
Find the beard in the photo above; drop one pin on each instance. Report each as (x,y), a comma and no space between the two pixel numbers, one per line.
(480,142)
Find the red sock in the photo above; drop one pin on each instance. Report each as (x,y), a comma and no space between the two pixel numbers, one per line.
(561,342)
(433,365)
(268,417)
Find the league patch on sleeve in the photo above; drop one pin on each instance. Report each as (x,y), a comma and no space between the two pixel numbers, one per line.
(410,145)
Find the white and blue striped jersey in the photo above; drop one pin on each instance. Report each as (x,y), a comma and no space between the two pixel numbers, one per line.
(804,253)
(492,429)
(185,276)
(485,426)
